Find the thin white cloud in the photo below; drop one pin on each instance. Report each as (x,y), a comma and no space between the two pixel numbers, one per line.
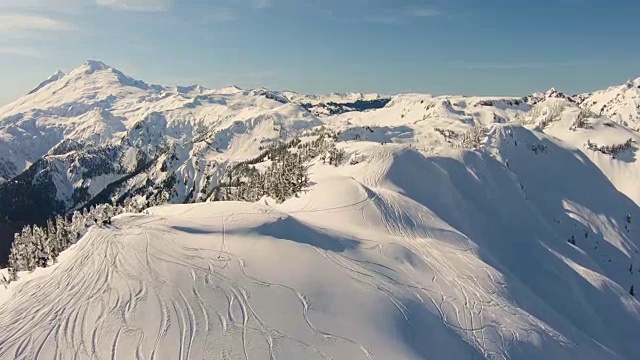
(380,15)
(16,23)
(261,4)
(382,19)
(496,66)
(515,65)
(21,27)
(374,18)
(74,6)
(220,15)
(425,12)
(21,52)
(137,5)
(60,6)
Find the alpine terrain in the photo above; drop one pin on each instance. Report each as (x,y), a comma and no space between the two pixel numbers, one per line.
(158,222)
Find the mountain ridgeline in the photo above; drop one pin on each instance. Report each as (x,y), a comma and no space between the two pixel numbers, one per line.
(101,136)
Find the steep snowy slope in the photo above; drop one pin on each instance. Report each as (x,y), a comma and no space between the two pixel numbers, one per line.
(623,169)
(401,256)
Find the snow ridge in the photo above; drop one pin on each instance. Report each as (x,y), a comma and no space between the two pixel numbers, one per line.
(53,78)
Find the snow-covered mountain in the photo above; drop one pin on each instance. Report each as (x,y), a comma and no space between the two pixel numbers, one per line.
(619,103)
(445,227)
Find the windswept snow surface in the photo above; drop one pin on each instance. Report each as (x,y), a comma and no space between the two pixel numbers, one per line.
(427,243)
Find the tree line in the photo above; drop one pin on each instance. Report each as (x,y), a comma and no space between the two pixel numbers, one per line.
(612,150)
(39,246)
(285,175)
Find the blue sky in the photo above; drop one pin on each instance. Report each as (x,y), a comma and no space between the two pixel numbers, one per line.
(492,47)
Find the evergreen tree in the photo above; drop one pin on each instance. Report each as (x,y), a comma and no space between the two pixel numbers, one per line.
(51,241)
(16,257)
(86,220)
(74,228)
(28,248)
(63,237)
(41,247)
(108,211)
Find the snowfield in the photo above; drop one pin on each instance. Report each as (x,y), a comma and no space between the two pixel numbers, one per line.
(456,228)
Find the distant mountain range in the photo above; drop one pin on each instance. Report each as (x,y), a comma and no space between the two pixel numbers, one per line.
(96,134)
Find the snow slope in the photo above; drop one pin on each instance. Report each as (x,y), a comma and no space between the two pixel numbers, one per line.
(400,256)
(457,228)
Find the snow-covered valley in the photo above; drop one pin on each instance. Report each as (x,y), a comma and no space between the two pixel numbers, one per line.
(431,227)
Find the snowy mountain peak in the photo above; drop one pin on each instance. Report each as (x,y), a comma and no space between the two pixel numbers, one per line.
(233,89)
(92,66)
(107,74)
(633,83)
(53,78)
(620,103)
(191,89)
(552,93)
(555,93)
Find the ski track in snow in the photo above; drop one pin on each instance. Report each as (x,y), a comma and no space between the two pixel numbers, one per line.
(124,276)
(146,290)
(118,265)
